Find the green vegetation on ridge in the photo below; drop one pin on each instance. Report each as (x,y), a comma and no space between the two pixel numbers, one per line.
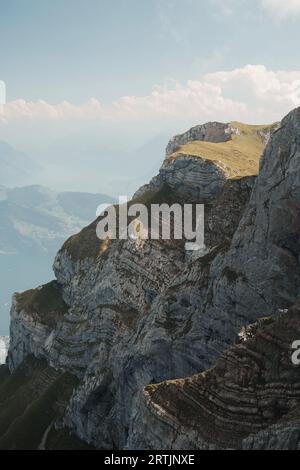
(240,156)
(44,303)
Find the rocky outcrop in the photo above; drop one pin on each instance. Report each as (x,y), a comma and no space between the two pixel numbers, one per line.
(143,312)
(245,401)
(215,132)
(191,177)
(34,316)
(200,161)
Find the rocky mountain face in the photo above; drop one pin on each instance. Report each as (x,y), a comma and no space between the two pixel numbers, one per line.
(131,318)
(249,400)
(215,132)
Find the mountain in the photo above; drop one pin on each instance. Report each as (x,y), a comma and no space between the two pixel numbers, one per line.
(17,168)
(239,146)
(35,218)
(34,223)
(154,347)
(249,400)
(124,163)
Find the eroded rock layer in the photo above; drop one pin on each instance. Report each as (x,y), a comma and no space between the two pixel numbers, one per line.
(253,386)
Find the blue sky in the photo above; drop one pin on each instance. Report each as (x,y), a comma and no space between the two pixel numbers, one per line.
(97,80)
(73,49)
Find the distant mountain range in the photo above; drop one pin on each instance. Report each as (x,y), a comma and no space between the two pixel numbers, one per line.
(37,219)
(106,164)
(17,168)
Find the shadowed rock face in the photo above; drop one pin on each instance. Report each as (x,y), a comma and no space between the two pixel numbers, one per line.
(140,313)
(32,399)
(254,386)
(263,260)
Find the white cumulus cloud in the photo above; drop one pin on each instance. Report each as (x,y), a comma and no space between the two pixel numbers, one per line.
(266,94)
(250,93)
(21,109)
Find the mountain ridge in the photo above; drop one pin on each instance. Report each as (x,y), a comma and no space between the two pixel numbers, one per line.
(137,315)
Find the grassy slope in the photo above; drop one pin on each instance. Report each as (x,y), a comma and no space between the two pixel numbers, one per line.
(85,244)
(45,303)
(240,156)
(31,399)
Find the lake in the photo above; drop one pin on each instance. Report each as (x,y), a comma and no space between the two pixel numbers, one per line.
(19,273)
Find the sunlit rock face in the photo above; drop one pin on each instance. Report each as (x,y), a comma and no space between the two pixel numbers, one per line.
(128,313)
(215,132)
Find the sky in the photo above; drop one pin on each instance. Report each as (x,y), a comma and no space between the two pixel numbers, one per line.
(119,73)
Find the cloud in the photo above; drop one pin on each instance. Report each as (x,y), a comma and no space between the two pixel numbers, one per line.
(251,93)
(176,101)
(281,9)
(170,102)
(267,94)
(39,110)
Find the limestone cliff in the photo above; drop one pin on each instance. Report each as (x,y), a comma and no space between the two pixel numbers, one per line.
(249,400)
(125,314)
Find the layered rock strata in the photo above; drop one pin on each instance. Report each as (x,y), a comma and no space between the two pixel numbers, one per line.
(245,401)
(130,313)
